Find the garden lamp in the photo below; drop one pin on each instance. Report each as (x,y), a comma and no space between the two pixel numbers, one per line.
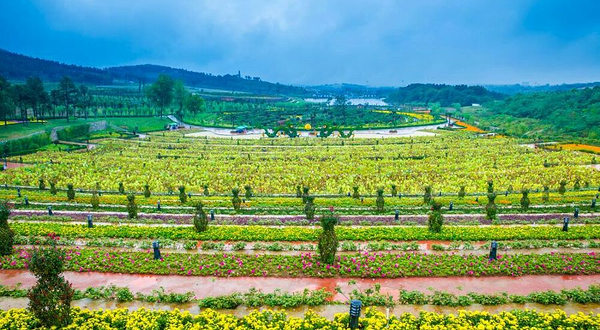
(26,200)
(212,215)
(89,221)
(494,251)
(155,247)
(451,206)
(158,205)
(19,192)
(50,210)
(355,306)
(565,224)
(396,215)
(576,213)
(593,203)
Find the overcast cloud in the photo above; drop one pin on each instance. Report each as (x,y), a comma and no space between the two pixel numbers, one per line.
(377,42)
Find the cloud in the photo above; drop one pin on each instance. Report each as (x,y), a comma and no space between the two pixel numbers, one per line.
(379,42)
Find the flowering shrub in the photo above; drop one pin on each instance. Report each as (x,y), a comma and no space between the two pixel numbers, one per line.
(366,265)
(371,319)
(7,236)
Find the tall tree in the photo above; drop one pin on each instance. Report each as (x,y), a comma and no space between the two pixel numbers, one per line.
(84,99)
(341,104)
(67,93)
(36,96)
(180,94)
(19,96)
(5,100)
(194,104)
(161,92)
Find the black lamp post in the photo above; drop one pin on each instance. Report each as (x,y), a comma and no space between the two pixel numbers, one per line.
(18,192)
(26,200)
(565,224)
(494,251)
(396,215)
(158,205)
(451,206)
(90,222)
(593,203)
(355,306)
(50,210)
(212,215)
(576,213)
(155,246)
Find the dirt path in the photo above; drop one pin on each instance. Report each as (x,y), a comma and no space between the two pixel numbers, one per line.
(215,286)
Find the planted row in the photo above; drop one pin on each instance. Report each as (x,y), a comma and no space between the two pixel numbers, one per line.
(364,265)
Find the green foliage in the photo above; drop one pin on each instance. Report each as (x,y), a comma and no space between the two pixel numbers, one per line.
(577,185)
(182,195)
(42,184)
(70,192)
(53,189)
(95,200)
(490,187)
(328,241)
(394,191)
(562,188)
(491,209)
(462,193)
(206,192)
(305,191)
(445,95)
(147,190)
(355,193)
(309,208)
(200,218)
(546,194)
(121,188)
(427,195)
(380,202)
(248,191)
(525,199)
(73,132)
(236,201)
(436,220)
(7,237)
(132,208)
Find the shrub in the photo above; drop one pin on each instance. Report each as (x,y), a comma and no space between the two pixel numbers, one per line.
(132,207)
(200,218)
(328,241)
(7,237)
(121,188)
(427,195)
(248,191)
(436,220)
(491,209)
(490,188)
(305,190)
(546,194)
(182,195)
(577,185)
(124,295)
(298,191)
(380,202)
(53,189)
(70,192)
(206,192)
(95,201)
(562,189)
(525,199)
(147,190)
(462,193)
(42,184)
(309,208)
(355,194)
(50,299)
(236,201)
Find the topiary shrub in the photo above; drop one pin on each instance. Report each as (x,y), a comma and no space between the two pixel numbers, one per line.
(309,208)
(427,195)
(436,220)
(132,208)
(7,236)
(461,192)
(206,192)
(70,192)
(525,199)
(95,201)
(182,195)
(563,187)
(490,188)
(248,191)
(328,241)
(236,201)
(491,209)
(298,191)
(200,218)
(147,190)
(305,190)
(42,184)
(50,299)
(546,194)
(380,202)
(355,193)
(394,191)
(121,188)
(577,185)
(53,189)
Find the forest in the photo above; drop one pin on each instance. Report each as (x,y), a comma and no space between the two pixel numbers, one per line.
(445,95)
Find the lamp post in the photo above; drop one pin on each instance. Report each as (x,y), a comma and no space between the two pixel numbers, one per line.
(355,306)
(494,251)
(90,222)
(212,215)
(565,224)
(576,213)
(50,210)
(451,206)
(155,247)
(396,215)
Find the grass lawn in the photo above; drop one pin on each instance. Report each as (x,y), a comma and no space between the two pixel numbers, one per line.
(143,123)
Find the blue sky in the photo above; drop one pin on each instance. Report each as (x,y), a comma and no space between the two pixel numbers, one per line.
(377,42)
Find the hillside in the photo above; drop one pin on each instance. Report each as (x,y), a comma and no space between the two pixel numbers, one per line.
(445,95)
(518,88)
(19,67)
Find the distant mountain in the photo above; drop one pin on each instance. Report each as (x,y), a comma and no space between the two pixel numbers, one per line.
(518,88)
(20,67)
(351,90)
(443,94)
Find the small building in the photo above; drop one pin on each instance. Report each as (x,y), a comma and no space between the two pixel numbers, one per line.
(241,130)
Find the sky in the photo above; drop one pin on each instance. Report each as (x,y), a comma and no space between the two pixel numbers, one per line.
(310,42)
